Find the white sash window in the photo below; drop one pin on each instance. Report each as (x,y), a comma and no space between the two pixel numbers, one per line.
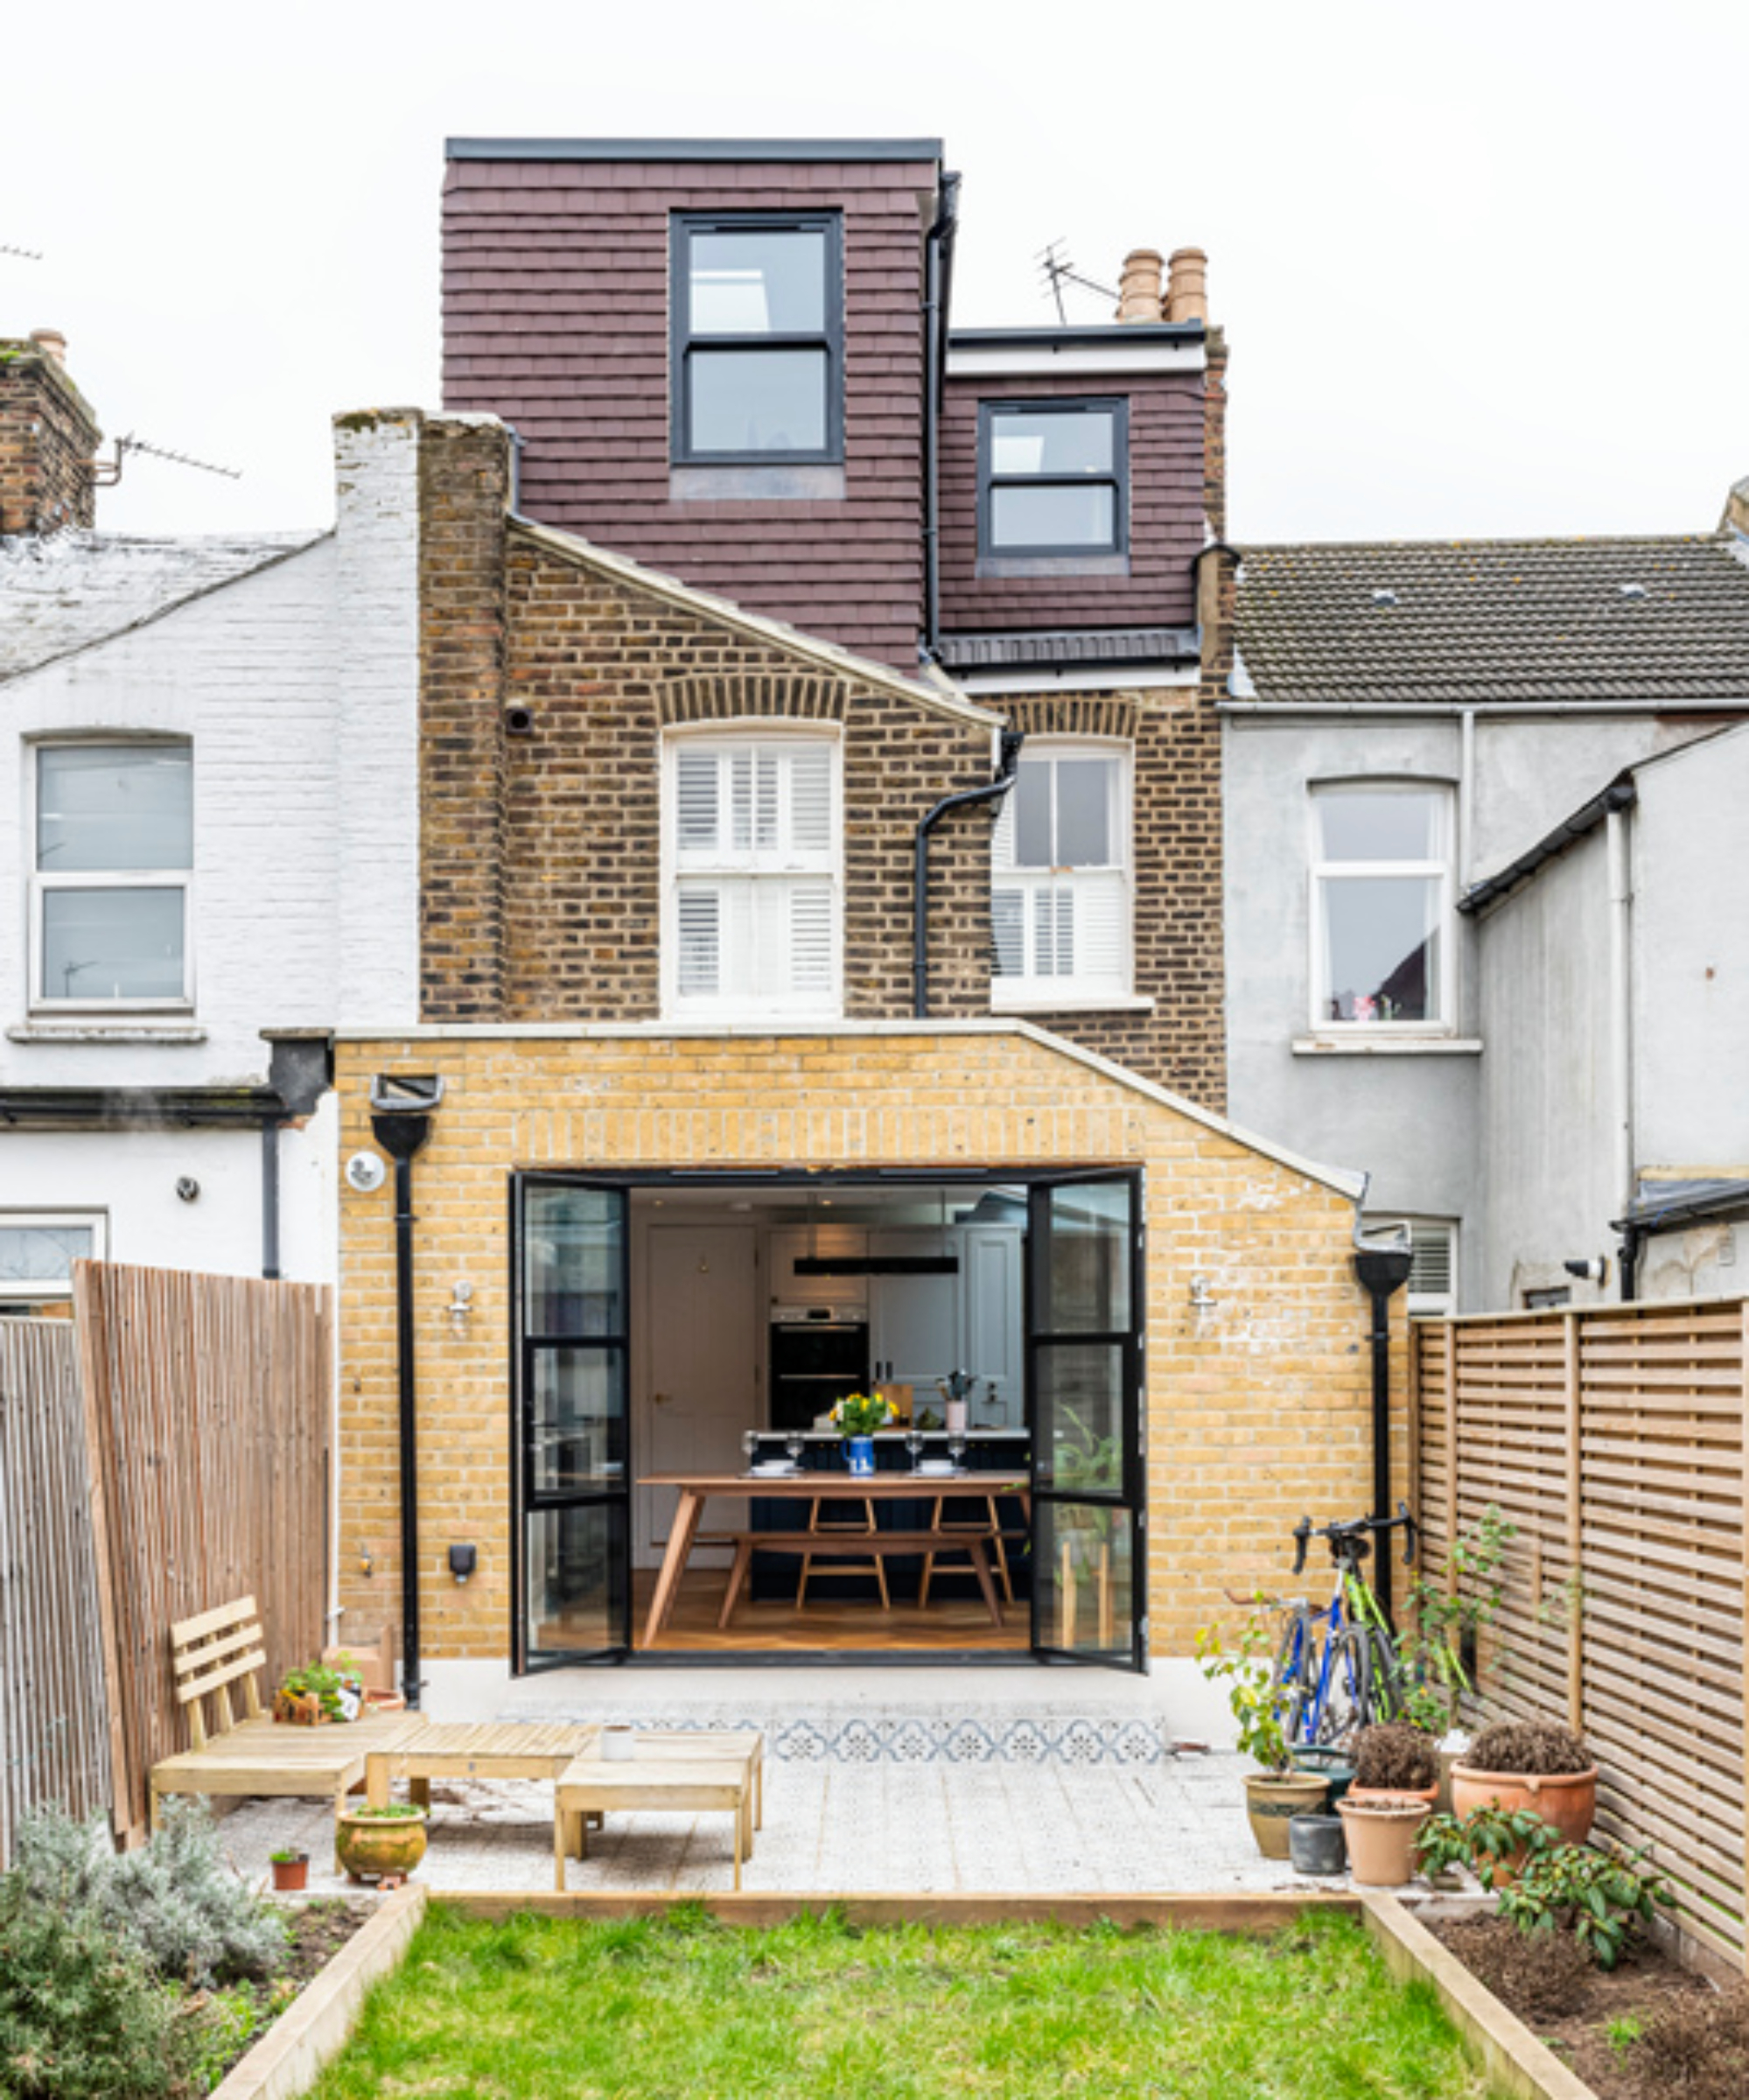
(754,893)
(1059,897)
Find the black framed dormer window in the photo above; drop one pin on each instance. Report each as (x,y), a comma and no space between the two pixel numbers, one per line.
(1054,478)
(758,352)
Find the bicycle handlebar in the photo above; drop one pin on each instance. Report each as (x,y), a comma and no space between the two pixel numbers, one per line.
(1305,1531)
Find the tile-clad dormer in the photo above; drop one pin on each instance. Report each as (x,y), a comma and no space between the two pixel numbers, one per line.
(712,353)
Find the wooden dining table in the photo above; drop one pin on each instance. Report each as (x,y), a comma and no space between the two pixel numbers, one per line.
(695,1489)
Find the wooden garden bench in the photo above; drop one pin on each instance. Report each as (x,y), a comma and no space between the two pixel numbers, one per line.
(221,1651)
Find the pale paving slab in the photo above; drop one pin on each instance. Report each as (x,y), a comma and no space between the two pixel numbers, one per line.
(885,1828)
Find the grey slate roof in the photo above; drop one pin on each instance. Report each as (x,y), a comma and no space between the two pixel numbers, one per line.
(64,592)
(1069,645)
(1651,621)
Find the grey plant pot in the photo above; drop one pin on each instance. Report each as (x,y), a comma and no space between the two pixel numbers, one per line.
(1316,1844)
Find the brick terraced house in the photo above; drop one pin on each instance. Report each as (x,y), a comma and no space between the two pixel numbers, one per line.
(821,958)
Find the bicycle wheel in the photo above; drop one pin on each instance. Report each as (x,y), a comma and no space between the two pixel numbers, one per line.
(1294,1673)
(1347,1693)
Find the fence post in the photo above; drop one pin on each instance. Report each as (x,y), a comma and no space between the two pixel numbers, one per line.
(1576,1646)
(1451,1327)
(1743,1445)
(90,1308)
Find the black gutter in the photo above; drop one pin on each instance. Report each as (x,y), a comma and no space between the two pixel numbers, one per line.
(1620,794)
(1100,336)
(1011,741)
(1635,1230)
(1382,1271)
(401,1122)
(938,273)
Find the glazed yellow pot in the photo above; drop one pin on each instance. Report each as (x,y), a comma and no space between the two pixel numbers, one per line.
(373,1846)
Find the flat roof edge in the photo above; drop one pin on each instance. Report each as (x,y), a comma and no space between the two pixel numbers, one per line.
(1100,336)
(693,149)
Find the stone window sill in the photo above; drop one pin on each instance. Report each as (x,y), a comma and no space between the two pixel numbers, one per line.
(106,1031)
(1109,1002)
(1387,1046)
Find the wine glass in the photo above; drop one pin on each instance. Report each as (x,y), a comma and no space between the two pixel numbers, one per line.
(793,1444)
(957,1451)
(750,1444)
(913,1443)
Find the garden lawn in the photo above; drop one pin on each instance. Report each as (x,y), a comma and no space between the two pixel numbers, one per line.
(682,2004)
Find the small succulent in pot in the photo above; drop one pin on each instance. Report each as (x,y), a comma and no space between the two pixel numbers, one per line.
(1393,1757)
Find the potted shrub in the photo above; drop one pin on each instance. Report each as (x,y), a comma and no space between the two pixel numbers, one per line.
(1382,1832)
(319,1693)
(1276,1795)
(1535,1765)
(1441,1637)
(375,1843)
(1396,1757)
(290,1870)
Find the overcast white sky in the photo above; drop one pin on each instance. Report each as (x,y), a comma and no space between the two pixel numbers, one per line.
(1482,267)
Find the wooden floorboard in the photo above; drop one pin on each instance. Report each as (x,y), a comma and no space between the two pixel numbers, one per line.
(950,1621)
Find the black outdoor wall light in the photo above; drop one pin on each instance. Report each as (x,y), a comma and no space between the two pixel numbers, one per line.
(463,1562)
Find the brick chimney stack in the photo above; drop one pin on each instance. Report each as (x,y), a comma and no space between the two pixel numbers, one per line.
(1187,285)
(48,438)
(1139,288)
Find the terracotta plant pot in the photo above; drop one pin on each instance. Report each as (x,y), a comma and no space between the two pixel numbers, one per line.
(384,1702)
(371,1846)
(1430,1795)
(1273,1798)
(290,1875)
(1381,1835)
(1566,1800)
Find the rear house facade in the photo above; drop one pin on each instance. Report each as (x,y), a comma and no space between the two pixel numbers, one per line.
(821,985)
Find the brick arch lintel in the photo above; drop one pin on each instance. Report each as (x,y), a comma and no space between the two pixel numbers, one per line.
(739,697)
(1073,714)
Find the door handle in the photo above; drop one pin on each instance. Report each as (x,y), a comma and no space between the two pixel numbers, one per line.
(659,1399)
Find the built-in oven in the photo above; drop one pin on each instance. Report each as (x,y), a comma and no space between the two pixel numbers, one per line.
(818,1354)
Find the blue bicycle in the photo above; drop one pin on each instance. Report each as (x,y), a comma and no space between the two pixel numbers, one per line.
(1337,1669)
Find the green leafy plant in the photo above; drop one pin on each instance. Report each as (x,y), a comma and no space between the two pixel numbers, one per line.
(1605,1897)
(1442,1626)
(1623,2032)
(176,1901)
(1493,1843)
(1246,1667)
(861,1414)
(327,1681)
(288,1855)
(391,1811)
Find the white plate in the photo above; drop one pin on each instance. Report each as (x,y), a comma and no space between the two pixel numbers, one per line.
(770,1470)
(938,1468)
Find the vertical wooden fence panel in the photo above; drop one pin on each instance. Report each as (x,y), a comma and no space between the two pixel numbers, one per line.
(1613,1439)
(55,1736)
(209,1403)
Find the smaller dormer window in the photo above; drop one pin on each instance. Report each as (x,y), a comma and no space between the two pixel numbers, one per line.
(758,352)
(1054,478)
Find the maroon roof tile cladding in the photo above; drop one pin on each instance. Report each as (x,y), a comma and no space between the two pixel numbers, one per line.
(555,318)
(1165,510)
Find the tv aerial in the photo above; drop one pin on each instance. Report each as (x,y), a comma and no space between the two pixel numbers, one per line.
(106,473)
(1058,271)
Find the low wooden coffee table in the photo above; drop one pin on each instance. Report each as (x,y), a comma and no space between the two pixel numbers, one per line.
(483,1750)
(677,1768)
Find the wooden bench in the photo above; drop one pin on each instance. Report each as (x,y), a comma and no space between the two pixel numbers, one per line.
(683,1769)
(251,1754)
(859,1545)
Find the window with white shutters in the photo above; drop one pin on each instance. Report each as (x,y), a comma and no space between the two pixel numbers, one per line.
(753,917)
(1432,1291)
(1060,895)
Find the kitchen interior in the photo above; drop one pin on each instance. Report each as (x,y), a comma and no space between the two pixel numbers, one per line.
(756,1309)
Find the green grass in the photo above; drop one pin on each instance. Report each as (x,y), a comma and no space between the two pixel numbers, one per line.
(537,2008)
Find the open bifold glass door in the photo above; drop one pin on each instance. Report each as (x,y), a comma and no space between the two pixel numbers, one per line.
(574,1599)
(1084,1369)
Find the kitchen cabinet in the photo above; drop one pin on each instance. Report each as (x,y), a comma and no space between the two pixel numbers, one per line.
(991,1272)
(791,1244)
(916,1330)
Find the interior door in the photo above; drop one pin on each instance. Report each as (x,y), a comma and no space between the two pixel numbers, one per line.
(701,1303)
(1084,1303)
(573,1588)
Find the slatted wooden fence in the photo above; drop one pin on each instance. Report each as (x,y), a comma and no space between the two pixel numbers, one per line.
(1613,1439)
(54,1735)
(208,1403)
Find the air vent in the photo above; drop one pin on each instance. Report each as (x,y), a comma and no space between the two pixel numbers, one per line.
(1384,598)
(1631,590)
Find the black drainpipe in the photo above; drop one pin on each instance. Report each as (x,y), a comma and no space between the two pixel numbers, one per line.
(1383,1271)
(401,1122)
(270,1197)
(1011,741)
(938,274)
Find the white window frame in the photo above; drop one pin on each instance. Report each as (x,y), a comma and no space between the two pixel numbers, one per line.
(96,1221)
(1445,1023)
(1026,989)
(40,884)
(734,1005)
(1424,1304)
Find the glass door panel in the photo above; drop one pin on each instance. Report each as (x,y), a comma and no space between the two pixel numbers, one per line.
(573,1297)
(1084,1368)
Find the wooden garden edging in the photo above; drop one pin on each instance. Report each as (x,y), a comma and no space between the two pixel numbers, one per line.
(288,2060)
(1613,1439)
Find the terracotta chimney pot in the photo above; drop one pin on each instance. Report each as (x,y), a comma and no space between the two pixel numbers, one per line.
(51,343)
(1139,288)
(1187,285)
